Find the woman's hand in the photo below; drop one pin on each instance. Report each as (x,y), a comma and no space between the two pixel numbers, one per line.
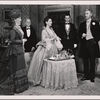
(58,38)
(24,40)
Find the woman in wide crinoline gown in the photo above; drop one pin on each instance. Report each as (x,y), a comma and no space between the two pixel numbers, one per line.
(45,49)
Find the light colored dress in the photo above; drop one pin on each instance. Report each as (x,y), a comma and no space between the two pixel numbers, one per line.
(45,49)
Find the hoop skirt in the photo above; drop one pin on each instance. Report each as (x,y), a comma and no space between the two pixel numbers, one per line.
(35,69)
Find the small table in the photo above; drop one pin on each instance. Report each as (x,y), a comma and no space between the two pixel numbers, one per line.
(59,74)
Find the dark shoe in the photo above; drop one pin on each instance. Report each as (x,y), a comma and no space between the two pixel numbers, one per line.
(83,79)
(92,80)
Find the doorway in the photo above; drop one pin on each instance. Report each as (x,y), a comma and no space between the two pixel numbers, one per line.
(57,18)
(57,12)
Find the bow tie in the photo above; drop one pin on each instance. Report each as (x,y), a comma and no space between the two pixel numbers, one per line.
(28,28)
(67,23)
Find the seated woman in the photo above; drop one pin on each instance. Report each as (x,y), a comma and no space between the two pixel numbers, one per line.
(45,49)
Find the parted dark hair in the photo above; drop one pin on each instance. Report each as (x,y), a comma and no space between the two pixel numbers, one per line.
(89,10)
(46,19)
(15,13)
(67,15)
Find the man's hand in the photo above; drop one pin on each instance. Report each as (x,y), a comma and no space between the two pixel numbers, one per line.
(84,35)
(75,45)
(33,48)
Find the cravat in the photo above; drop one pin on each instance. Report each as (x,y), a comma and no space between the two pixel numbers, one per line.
(88,25)
(89,34)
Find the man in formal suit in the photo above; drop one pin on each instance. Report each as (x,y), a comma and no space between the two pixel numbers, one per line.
(29,35)
(89,34)
(68,34)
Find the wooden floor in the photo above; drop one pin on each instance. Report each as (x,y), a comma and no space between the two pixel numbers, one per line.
(84,88)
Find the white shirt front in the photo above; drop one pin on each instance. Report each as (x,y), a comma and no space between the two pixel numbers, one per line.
(67,26)
(28,32)
(89,34)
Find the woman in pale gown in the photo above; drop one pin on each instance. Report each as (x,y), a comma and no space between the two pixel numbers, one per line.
(45,49)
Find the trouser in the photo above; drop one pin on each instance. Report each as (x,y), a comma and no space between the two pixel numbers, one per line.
(89,60)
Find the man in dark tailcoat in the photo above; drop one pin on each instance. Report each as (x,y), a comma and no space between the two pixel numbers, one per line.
(29,35)
(89,34)
(68,34)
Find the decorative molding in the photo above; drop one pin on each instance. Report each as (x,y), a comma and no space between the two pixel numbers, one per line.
(59,8)
(5,14)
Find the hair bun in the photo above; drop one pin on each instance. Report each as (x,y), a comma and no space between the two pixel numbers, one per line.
(15,13)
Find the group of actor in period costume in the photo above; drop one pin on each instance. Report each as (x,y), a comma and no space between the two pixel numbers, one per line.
(15,78)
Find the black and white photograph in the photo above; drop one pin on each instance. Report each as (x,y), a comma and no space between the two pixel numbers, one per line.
(50,49)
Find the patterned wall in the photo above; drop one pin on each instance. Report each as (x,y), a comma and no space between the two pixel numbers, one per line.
(25,13)
(34,18)
(3,32)
(36,14)
(40,19)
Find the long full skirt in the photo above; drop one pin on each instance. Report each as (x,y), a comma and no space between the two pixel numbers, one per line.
(35,69)
(13,78)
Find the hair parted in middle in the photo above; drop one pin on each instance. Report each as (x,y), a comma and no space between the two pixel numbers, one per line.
(46,19)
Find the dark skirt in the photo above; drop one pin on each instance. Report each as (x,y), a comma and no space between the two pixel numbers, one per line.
(13,76)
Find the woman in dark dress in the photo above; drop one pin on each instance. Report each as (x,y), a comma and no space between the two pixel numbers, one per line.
(13,76)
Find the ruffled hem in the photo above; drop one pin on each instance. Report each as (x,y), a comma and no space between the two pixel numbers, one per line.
(15,83)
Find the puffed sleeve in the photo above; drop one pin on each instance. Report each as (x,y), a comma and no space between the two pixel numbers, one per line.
(13,38)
